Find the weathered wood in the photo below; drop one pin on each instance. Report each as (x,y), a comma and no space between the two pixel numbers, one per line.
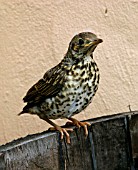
(36,152)
(133,123)
(112,144)
(77,155)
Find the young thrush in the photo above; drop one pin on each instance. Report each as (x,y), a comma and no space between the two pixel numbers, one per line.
(67,88)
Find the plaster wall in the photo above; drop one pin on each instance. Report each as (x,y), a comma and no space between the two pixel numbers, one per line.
(34,36)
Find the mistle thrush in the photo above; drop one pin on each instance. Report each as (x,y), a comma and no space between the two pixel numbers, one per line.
(67,88)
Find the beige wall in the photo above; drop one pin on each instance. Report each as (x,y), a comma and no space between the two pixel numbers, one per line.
(34,36)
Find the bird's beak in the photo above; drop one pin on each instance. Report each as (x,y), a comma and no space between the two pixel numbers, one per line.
(95,42)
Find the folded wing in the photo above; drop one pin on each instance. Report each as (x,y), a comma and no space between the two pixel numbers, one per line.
(48,86)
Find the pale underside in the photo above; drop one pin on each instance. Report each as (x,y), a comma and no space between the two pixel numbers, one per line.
(76,94)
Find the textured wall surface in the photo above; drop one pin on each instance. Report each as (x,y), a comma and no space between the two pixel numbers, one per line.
(34,36)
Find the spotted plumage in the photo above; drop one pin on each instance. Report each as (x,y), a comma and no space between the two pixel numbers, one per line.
(67,88)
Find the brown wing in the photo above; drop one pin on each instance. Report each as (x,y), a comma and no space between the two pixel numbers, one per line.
(49,85)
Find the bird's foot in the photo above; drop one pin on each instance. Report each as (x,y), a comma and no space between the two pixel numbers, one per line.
(62,132)
(79,124)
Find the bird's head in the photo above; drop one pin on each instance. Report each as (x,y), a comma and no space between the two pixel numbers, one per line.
(84,43)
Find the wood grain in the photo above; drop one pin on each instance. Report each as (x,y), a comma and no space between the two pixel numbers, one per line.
(111,145)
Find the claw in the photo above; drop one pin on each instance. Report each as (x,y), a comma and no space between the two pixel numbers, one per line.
(60,129)
(84,125)
(79,124)
(62,132)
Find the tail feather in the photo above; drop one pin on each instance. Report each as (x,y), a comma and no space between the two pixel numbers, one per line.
(28,109)
(22,112)
(25,110)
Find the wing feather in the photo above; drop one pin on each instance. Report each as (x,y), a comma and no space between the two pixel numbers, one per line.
(48,86)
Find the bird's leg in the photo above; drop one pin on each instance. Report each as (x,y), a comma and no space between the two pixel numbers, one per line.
(60,129)
(79,124)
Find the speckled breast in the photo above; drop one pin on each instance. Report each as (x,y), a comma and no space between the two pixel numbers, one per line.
(81,85)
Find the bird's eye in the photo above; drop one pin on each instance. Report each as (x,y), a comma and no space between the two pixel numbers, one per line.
(81,42)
